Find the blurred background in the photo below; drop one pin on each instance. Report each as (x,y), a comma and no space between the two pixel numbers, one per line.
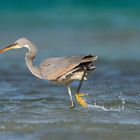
(109,29)
(33,109)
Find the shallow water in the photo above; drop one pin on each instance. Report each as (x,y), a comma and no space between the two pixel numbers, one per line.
(35,109)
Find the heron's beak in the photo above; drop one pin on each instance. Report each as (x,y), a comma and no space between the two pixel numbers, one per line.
(12,46)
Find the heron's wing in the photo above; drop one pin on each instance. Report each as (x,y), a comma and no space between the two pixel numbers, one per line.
(53,68)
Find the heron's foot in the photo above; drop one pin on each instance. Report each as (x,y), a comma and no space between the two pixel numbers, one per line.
(81,94)
(72,106)
(80,100)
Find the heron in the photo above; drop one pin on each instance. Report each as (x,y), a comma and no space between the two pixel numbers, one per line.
(60,70)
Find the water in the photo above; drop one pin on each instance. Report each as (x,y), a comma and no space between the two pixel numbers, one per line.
(34,109)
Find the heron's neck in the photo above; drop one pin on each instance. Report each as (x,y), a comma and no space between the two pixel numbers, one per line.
(29,57)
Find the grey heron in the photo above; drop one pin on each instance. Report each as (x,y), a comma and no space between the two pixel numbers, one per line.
(61,70)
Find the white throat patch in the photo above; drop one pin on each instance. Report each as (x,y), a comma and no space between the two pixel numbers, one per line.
(27,46)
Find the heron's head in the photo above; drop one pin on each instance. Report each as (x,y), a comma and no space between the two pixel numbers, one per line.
(22,42)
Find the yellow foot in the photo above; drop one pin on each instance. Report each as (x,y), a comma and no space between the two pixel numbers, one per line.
(80,100)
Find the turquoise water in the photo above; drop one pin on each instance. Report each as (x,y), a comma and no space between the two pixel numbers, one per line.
(100,26)
(32,109)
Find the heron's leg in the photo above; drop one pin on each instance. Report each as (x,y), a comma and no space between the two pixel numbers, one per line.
(78,94)
(71,100)
(81,81)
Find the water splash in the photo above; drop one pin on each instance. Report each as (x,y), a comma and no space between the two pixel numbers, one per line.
(95,106)
(121,107)
(122,102)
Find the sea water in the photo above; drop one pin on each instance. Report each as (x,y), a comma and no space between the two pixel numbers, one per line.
(32,109)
